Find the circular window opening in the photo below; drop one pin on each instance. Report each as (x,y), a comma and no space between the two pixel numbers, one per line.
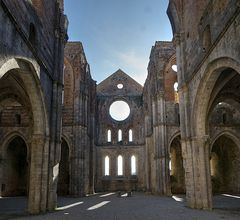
(119,110)
(120,86)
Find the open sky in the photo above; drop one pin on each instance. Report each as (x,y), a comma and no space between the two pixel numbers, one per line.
(118,34)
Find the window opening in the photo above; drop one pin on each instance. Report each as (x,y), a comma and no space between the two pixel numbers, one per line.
(119,135)
(109,136)
(174,68)
(130,135)
(106,166)
(119,110)
(133,165)
(120,165)
(175,86)
(120,86)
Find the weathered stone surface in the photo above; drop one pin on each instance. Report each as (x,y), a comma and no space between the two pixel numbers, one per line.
(185,138)
(207,51)
(31,67)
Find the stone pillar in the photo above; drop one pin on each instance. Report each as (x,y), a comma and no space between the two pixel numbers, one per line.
(79,180)
(162,157)
(56,109)
(113,165)
(204,198)
(38,178)
(194,149)
(55,144)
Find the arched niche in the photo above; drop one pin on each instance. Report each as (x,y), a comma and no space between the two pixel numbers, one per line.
(224,165)
(15,180)
(177,172)
(64,169)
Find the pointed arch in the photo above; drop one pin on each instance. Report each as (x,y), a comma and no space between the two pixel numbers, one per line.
(28,74)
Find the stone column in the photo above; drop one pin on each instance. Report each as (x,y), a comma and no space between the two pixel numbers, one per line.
(55,144)
(194,149)
(204,198)
(162,157)
(38,178)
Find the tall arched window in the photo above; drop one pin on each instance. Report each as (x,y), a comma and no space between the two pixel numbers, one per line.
(130,135)
(106,166)
(120,165)
(176,92)
(133,165)
(109,136)
(119,135)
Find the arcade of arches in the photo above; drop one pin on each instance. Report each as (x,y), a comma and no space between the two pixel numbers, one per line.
(179,135)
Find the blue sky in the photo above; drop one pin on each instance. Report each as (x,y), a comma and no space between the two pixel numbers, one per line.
(118,34)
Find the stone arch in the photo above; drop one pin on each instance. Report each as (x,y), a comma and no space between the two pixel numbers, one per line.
(30,79)
(175,135)
(229,134)
(174,18)
(176,166)
(9,137)
(201,106)
(224,164)
(69,143)
(64,169)
(15,167)
(229,100)
(199,117)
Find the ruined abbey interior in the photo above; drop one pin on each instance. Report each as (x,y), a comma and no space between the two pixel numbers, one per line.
(180,133)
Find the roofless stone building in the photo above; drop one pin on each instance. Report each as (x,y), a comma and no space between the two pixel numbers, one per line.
(179,133)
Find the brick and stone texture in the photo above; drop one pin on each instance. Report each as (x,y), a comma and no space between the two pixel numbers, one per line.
(184,139)
(33,34)
(131,93)
(161,119)
(206,37)
(78,120)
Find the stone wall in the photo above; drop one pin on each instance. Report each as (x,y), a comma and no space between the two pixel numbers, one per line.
(161,116)
(31,53)
(78,119)
(208,75)
(130,92)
